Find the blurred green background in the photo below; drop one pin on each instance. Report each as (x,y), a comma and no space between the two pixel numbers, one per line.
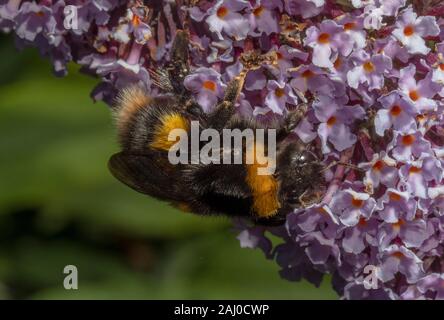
(59,206)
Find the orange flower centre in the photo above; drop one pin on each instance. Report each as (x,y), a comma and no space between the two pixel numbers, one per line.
(408,140)
(409,31)
(258,11)
(324,38)
(349,26)
(395,111)
(398,255)
(279,55)
(357,203)
(331,121)
(222,12)
(209,85)
(394,196)
(337,63)
(136,21)
(414,170)
(279,92)
(40,13)
(441,66)
(414,95)
(362,222)
(369,67)
(378,165)
(397,225)
(307,74)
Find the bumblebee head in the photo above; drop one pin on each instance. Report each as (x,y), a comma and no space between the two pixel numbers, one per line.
(304,158)
(299,169)
(307,166)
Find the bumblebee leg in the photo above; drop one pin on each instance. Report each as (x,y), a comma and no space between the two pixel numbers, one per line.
(194,109)
(339,163)
(291,122)
(309,197)
(171,78)
(179,67)
(275,221)
(225,110)
(234,88)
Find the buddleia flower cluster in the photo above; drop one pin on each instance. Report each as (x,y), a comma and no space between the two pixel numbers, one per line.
(372,75)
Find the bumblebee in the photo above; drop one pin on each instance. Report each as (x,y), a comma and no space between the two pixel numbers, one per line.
(144,123)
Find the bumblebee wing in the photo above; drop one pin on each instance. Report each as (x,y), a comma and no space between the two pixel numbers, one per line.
(220,188)
(147,174)
(220,179)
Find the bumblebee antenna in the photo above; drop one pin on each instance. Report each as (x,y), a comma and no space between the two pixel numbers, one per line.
(340,163)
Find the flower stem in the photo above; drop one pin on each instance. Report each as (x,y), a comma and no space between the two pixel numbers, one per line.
(366,145)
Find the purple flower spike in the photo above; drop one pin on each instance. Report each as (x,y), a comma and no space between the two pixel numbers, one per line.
(207,85)
(411,31)
(371,73)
